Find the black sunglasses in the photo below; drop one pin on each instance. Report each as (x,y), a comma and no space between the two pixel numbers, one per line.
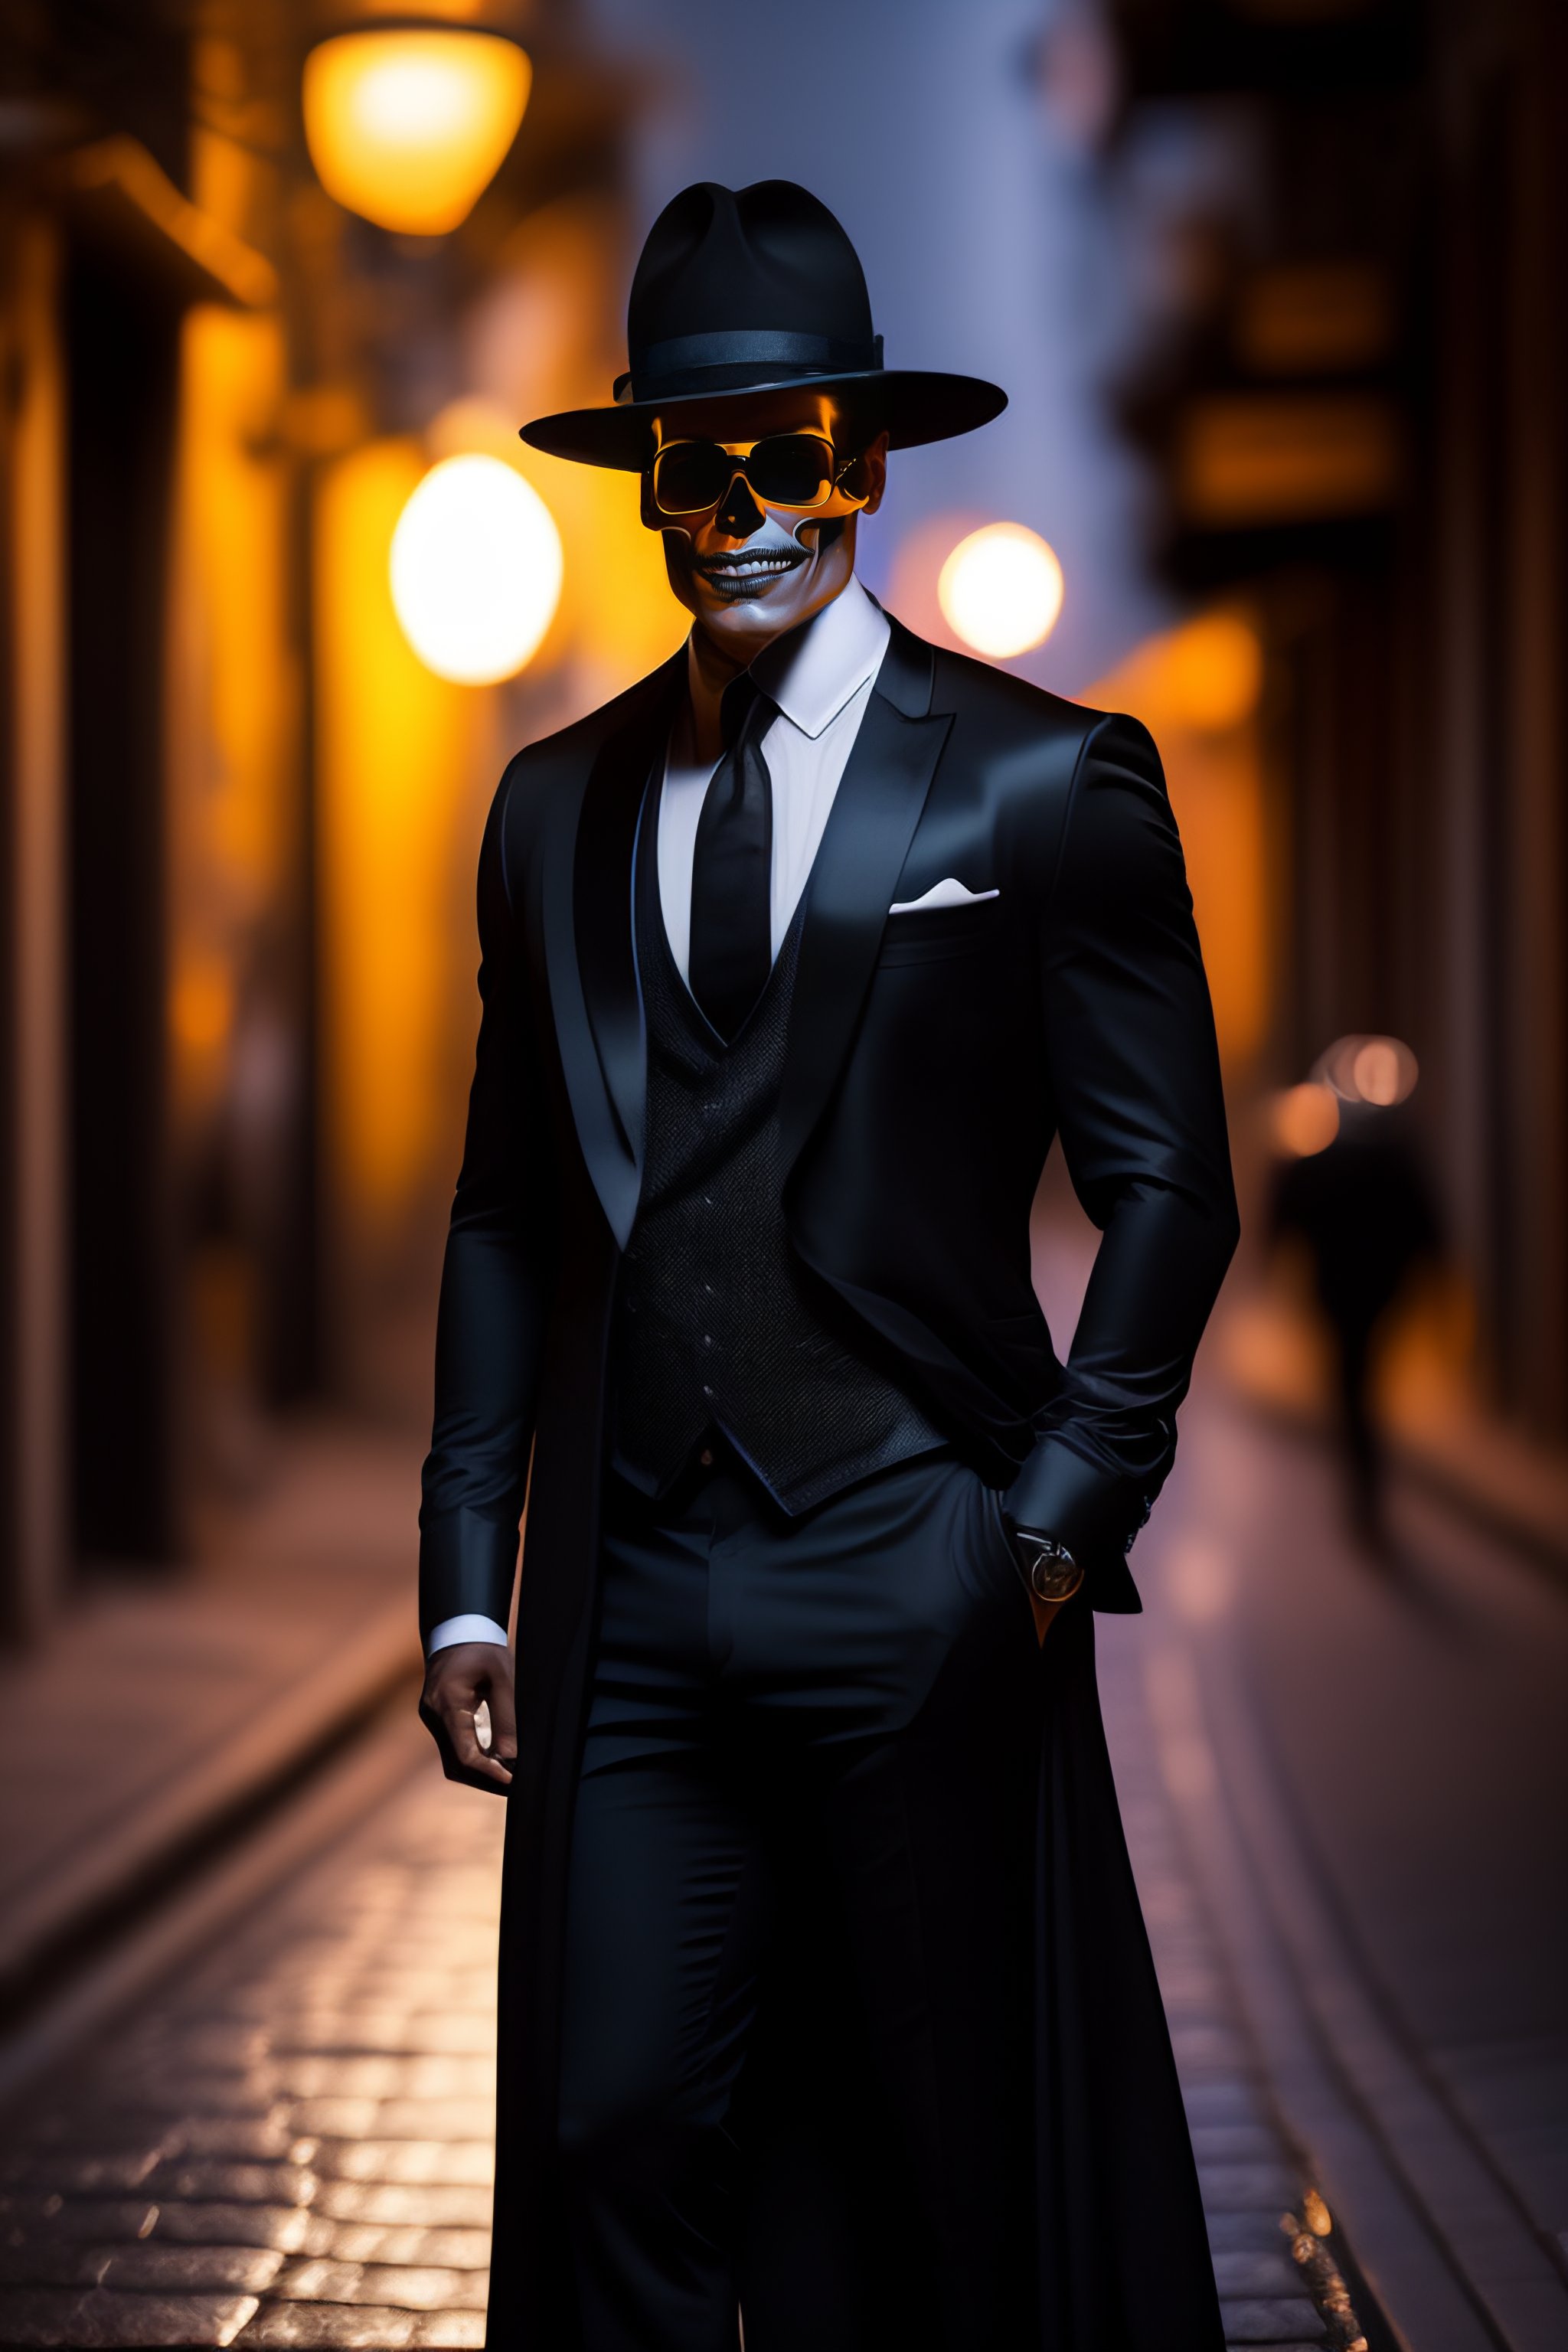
(785,469)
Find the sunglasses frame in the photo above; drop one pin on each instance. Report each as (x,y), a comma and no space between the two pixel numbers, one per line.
(739,452)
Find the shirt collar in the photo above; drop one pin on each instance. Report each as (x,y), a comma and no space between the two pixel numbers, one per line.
(813,671)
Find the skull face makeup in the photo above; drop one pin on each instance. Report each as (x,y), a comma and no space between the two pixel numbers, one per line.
(760,556)
(748,569)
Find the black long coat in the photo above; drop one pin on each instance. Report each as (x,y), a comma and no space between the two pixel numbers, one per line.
(932,1061)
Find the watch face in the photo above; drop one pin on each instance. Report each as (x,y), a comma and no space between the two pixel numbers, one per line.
(1055,1575)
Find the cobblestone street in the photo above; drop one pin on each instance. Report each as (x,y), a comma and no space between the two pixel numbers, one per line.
(292,2146)
(276,2126)
(290,2143)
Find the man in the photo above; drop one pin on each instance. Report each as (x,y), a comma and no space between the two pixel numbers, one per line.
(825,1998)
(1362,1207)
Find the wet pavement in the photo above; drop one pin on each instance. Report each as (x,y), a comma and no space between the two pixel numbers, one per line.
(167,1700)
(1340,1779)
(290,2143)
(1368,1758)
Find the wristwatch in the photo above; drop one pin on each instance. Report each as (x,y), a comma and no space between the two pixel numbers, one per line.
(1051,1571)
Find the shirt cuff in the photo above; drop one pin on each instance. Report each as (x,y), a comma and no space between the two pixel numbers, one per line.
(452,1629)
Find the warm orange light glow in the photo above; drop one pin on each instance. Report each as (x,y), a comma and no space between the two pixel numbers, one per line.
(230,741)
(202,1006)
(1197,688)
(400,756)
(1216,672)
(476,570)
(1001,589)
(471,426)
(409,126)
(1305,1120)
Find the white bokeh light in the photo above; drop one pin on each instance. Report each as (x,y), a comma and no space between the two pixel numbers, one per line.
(1001,589)
(476,570)
(1380,1071)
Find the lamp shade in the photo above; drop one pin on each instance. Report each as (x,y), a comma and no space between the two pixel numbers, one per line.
(408,125)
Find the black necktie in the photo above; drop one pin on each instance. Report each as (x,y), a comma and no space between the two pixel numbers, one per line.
(731,948)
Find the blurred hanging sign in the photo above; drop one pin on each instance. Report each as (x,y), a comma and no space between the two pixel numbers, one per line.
(129,207)
(1325,318)
(409,117)
(1249,459)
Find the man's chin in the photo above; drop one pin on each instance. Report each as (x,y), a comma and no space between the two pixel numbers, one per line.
(771,602)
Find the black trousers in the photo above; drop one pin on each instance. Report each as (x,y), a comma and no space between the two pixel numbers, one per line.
(797,2066)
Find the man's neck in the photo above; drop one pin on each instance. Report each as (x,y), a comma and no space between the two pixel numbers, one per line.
(709,670)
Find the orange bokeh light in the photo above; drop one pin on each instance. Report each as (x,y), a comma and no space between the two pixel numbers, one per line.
(1306,1119)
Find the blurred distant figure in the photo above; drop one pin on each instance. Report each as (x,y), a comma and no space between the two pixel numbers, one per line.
(1353,1191)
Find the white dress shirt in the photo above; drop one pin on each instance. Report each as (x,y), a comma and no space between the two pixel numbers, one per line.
(820,676)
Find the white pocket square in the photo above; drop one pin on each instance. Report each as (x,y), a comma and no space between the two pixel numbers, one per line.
(948,892)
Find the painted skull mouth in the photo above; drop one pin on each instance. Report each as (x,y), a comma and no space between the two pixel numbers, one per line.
(745,574)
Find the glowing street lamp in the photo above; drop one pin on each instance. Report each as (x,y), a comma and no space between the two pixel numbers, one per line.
(409,124)
(1001,589)
(476,570)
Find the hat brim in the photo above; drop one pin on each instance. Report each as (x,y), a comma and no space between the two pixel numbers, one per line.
(917,405)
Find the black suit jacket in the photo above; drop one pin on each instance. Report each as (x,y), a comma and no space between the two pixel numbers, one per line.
(934,1057)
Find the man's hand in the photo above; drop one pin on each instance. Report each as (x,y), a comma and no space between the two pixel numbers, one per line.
(456,1680)
(1028,1544)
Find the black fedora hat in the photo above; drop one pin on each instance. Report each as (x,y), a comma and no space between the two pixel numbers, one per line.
(747,291)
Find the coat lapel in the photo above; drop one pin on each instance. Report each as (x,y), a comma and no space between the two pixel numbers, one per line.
(589,928)
(591,951)
(875,811)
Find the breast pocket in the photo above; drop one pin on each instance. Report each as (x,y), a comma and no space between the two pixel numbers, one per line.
(937,932)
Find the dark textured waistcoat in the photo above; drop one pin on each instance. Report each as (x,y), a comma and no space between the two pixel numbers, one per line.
(719,1325)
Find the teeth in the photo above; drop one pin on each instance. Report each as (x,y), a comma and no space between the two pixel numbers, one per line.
(749,570)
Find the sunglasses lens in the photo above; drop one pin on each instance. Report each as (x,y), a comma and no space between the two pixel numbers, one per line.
(691,475)
(791,469)
(854,480)
(788,469)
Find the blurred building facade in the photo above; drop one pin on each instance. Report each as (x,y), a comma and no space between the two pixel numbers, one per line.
(1358,413)
(237,813)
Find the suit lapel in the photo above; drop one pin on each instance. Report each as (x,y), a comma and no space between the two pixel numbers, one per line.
(591,951)
(875,811)
(589,941)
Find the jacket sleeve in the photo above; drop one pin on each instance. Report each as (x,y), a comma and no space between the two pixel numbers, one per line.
(496,1278)
(1133,1070)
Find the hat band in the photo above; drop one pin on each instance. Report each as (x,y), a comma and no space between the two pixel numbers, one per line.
(666,367)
